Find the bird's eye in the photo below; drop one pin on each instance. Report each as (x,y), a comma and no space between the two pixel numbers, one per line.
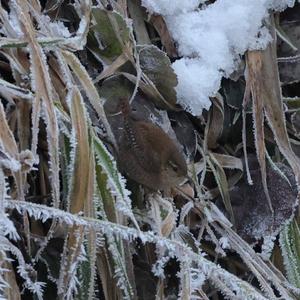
(173,166)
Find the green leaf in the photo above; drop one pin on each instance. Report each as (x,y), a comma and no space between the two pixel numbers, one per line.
(157,66)
(110,184)
(108,37)
(114,88)
(233,92)
(290,247)
(222,183)
(115,182)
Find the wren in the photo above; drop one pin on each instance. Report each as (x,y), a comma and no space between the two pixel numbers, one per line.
(148,155)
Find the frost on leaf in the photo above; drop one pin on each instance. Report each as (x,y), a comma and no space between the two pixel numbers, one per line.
(115,181)
(253,217)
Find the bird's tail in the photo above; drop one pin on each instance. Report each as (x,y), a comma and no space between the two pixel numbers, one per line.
(124,106)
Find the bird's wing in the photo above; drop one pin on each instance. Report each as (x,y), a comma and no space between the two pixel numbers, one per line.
(146,148)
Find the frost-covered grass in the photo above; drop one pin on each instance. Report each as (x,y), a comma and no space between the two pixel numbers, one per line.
(70,226)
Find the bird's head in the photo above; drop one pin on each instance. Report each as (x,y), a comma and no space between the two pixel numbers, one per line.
(174,169)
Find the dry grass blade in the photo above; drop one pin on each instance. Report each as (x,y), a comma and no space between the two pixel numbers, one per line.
(12,292)
(162,214)
(14,90)
(8,142)
(246,99)
(106,273)
(256,80)
(111,69)
(136,14)
(215,121)
(222,183)
(81,179)
(166,39)
(90,90)
(185,292)
(263,70)
(9,146)
(229,162)
(23,119)
(266,275)
(274,107)
(43,98)
(81,183)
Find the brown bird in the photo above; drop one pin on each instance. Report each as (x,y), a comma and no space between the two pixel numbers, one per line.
(148,155)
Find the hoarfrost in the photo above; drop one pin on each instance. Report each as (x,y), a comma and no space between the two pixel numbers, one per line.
(14,24)
(158,267)
(224,242)
(24,270)
(231,285)
(3,284)
(197,279)
(10,163)
(57,29)
(116,184)
(7,227)
(268,246)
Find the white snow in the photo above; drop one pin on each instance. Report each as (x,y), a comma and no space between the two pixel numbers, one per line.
(195,83)
(211,41)
(280,5)
(224,242)
(170,7)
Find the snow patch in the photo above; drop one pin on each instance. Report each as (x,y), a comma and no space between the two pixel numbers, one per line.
(211,41)
(171,7)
